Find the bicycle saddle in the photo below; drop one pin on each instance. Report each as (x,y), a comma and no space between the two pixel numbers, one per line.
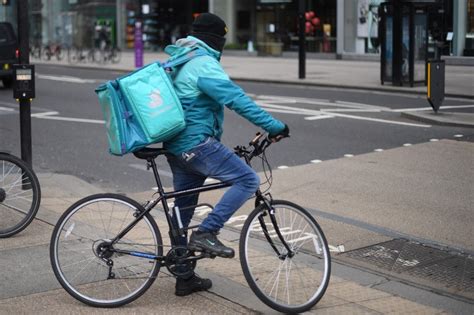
(147,153)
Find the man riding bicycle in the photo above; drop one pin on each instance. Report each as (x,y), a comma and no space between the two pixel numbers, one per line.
(197,153)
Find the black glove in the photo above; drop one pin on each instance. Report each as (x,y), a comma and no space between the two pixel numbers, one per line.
(285,133)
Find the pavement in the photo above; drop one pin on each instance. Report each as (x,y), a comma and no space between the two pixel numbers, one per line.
(386,184)
(428,177)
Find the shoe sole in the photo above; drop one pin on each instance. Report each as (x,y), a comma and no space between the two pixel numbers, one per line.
(200,249)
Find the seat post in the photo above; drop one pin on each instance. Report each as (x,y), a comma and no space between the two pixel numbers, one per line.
(152,163)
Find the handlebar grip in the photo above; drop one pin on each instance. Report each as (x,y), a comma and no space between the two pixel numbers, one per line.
(256,139)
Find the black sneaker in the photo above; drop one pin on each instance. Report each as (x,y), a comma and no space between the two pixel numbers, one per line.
(208,242)
(194,284)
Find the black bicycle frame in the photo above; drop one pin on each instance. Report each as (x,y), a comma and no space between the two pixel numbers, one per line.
(175,232)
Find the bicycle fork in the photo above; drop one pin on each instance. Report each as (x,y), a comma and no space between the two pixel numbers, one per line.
(271,212)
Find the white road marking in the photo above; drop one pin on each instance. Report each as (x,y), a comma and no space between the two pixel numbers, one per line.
(348,155)
(378,150)
(337,249)
(315,161)
(39,115)
(381,120)
(282,167)
(434,140)
(318,117)
(52,116)
(67,79)
(364,106)
(458,136)
(352,110)
(430,108)
(6,109)
(407,145)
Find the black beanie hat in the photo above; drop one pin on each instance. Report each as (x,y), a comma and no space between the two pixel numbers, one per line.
(211,29)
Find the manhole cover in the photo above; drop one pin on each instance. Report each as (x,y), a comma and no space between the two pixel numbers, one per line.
(445,269)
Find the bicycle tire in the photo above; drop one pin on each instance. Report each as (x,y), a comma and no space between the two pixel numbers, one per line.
(80,234)
(73,55)
(261,265)
(20,195)
(115,55)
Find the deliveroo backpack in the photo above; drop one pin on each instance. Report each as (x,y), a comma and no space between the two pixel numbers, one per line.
(142,107)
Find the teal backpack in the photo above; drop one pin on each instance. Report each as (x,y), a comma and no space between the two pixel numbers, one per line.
(142,108)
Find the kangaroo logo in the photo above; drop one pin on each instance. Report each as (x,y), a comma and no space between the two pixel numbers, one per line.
(155,99)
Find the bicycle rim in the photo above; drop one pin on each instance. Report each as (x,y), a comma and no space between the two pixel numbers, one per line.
(287,284)
(90,224)
(19,195)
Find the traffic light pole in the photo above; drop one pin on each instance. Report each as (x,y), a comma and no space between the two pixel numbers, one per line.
(25,104)
(302,40)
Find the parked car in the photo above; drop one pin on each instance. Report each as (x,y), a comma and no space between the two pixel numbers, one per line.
(8,53)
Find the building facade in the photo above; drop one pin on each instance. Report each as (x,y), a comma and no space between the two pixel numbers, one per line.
(338,27)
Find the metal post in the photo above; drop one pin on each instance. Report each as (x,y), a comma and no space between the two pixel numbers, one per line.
(25,104)
(397,77)
(302,40)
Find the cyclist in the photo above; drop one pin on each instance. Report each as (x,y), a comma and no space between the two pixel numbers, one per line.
(196,153)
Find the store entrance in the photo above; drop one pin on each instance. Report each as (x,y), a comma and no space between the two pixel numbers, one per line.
(164,21)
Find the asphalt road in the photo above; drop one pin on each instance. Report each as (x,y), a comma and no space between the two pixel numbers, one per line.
(69,136)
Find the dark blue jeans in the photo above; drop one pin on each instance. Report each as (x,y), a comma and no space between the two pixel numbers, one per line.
(212,159)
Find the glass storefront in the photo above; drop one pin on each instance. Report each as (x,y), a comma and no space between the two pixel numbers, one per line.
(361,19)
(277,25)
(270,26)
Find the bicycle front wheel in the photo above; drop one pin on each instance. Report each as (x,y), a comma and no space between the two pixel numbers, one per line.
(289,278)
(20,195)
(92,268)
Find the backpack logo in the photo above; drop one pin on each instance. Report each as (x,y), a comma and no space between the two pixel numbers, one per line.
(155,99)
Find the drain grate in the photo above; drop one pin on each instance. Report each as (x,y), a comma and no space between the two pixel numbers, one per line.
(453,271)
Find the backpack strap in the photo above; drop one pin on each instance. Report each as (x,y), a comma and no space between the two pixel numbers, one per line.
(185,58)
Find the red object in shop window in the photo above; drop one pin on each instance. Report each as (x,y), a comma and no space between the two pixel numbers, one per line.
(315,21)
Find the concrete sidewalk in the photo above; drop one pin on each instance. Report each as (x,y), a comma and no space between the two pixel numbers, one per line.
(335,187)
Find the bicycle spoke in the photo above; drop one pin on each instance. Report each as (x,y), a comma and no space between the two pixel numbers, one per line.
(295,280)
(83,238)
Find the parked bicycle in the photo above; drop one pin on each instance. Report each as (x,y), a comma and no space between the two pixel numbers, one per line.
(107,54)
(106,249)
(78,55)
(35,51)
(52,50)
(20,195)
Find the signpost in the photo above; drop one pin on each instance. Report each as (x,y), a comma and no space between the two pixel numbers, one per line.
(138,45)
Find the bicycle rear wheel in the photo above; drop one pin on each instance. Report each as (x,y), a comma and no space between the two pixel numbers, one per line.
(89,266)
(289,282)
(20,195)
(115,55)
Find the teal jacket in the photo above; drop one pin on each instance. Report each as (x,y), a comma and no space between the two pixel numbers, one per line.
(204,89)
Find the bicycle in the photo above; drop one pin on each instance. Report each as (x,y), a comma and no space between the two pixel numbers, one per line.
(106,249)
(78,55)
(51,50)
(20,195)
(106,54)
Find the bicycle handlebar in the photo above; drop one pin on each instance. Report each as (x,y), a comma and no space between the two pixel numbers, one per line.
(259,146)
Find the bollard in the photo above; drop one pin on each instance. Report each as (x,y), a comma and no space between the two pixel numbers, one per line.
(435,91)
